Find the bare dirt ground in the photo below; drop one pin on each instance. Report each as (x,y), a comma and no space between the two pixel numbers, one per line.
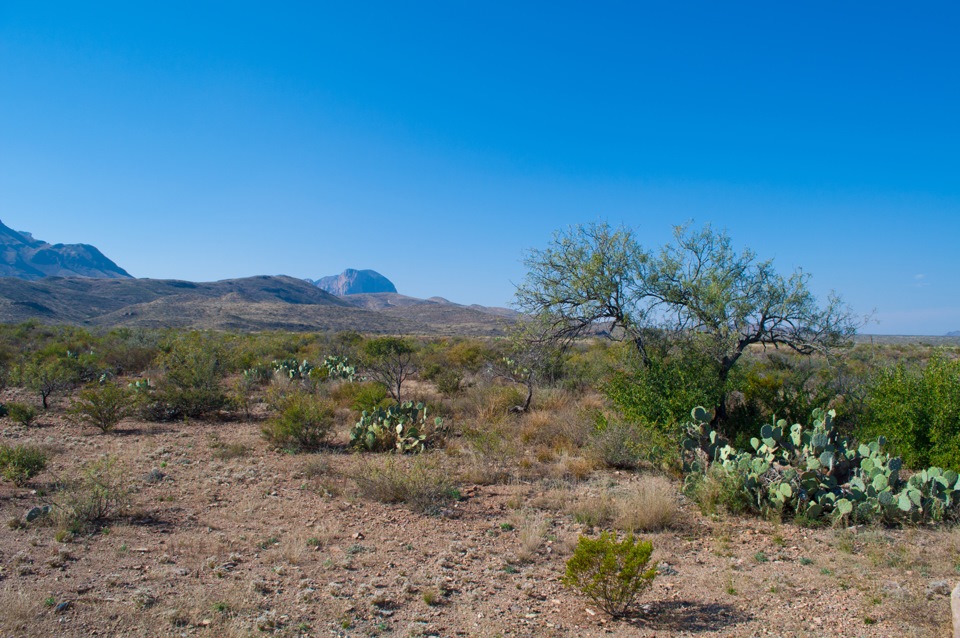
(231,538)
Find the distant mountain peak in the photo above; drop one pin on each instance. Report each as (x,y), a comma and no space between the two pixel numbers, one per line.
(953,333)
(355,282)
(23,256)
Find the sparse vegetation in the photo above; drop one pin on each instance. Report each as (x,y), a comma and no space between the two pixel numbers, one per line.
(419,483)
(496,504)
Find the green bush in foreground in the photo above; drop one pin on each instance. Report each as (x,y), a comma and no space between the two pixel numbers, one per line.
(102,406)
(303,424)
(611,573)
(22,413)
(18,464)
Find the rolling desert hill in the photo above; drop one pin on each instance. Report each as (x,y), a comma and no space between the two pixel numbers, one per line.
(247,304)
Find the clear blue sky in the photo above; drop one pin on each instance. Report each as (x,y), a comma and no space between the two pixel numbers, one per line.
(436,142)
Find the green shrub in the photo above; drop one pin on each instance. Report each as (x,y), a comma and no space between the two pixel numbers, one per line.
(18,464)
(658,393)
(195,364)
(918,411)
(370,396)
(102,406)
(611,573)
(303,424)
(22,413)
(448,382)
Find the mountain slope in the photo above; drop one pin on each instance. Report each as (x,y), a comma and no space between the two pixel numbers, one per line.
(27,258)
(249,304)
(353,282)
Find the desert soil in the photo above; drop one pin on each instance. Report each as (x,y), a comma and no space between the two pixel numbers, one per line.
(265,543)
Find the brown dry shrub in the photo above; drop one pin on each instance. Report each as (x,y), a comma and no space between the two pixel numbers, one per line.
(594,510)
(648,504)
(564,429)
(419,482)
(491,456)
(576,468)
(489,403)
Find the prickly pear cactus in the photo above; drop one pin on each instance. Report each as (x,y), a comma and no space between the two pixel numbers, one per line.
(404,428)
(813,472)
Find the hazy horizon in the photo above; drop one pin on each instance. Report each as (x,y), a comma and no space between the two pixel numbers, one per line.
(436,142)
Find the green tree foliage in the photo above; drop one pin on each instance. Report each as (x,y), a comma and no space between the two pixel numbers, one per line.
(696,288)
(611,573)
(658,393)
(47,377)
(390,361)
(917,408)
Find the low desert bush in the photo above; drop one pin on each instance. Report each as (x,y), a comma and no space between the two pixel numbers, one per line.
(627,446)
(360,396)
(611,573)
(194,364)
(493,456)
(419,482)
(303,424)
(448,382)
(565,428)
(20,463)
(491,402)
(596,510)
(22,413)
(102,406)
(99,493)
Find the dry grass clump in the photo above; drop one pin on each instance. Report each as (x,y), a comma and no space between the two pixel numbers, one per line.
(492,456)
(20,609)
(595,510)
(532,527)
(419,482)
(564,429)
(646,505)
(490,403)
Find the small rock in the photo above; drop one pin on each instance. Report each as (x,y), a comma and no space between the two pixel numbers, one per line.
(938,588)
(36,512)
(153,476)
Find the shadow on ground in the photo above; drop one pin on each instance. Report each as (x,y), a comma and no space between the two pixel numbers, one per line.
(690,616)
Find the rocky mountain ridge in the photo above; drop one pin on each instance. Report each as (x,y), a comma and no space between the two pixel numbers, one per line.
(24,257)
(354,282)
